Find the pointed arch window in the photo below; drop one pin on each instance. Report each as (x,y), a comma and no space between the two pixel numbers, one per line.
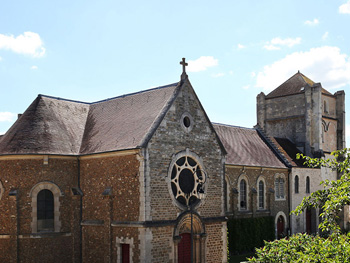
(307,184)
(296,184)
(261,195)
(243,194)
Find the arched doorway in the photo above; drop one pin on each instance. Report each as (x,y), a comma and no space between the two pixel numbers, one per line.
(280,227)
(182,238)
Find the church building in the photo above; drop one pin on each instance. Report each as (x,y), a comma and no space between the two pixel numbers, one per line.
(147,177)
(136,178)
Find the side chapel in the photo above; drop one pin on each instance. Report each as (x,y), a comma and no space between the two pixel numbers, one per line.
(125,179)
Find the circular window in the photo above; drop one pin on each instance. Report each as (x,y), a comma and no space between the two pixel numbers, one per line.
(187,122)
(187,181)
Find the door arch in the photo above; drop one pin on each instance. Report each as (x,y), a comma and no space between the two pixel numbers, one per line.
(182,238)
(280,227)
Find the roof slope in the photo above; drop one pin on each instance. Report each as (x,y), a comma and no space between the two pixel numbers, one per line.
(123,122)
(49,125)
(293,86)
(244,146)
(290,151)
(58,126)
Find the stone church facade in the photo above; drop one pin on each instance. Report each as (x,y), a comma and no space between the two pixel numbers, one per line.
(119,180)
(146,177)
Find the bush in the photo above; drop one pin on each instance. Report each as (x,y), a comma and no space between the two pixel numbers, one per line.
(305,248)
(245,234)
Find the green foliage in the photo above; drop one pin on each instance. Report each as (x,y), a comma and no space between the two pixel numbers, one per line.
(331,200)
(305,248)
(247,233)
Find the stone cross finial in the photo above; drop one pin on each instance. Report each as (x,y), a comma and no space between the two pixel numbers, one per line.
(184,64)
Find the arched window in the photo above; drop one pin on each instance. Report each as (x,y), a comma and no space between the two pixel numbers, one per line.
(45,210)
(45,207)
(279,187)
(261,195)
(243,194)
(307,184)
(296,184)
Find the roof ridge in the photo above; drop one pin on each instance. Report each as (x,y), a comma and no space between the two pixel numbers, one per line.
(137,92)
(231,125)
(59,98)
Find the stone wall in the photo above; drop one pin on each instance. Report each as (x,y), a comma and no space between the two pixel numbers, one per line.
(22,173)
(110,184)
(253,175)
(200,142)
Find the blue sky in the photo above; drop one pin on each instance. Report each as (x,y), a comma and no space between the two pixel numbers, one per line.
(93,50)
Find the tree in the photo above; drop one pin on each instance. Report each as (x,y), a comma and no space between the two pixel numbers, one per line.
(335,246)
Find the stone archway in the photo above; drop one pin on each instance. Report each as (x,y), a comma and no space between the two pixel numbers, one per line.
(182,238)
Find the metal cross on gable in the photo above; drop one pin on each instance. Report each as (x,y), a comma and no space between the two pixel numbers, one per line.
(184,64)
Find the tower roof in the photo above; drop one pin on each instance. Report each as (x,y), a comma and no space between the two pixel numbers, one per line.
(294,85)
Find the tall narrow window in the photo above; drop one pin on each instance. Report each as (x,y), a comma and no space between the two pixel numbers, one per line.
(325,107)
(279,188)
(296,184)
(243,194)
(45,212)
(261,195)
(307,184)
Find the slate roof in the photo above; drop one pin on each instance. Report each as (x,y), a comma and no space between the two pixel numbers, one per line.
(293,86)
(290,151)
(58,126)
(246,147)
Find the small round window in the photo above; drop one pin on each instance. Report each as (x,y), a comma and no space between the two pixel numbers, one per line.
(187,122)
(187,181)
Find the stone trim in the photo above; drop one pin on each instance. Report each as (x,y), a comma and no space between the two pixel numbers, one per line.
(56,195)
(124,240)
(2,190)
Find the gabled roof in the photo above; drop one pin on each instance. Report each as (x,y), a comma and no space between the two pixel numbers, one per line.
(294,85)
(57,126)
(246,147)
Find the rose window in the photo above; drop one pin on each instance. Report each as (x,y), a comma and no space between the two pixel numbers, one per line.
(187,181)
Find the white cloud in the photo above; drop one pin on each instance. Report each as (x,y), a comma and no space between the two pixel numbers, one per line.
(218,75)
(230,72)
(276,43)
(345,8)
(325,35)
(240,46)
(202,63)
(323,64)
(312,22)
(34,67)
(0,58)
(252,74)
(29,43)
(7,116)
(246,87)
(347,134)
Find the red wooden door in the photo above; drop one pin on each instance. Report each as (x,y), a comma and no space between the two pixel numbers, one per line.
(184,248)
(280,227)
(125,253)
